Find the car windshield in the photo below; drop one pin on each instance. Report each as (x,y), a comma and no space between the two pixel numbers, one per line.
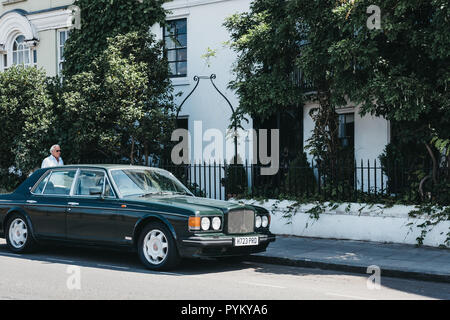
(147,182)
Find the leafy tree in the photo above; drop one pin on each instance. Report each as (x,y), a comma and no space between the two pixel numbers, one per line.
(26,117)
(267,45)
(400,72)
(122,107)
(274,40)
(103,19)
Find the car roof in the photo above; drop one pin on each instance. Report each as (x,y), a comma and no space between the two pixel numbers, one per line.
(104,166)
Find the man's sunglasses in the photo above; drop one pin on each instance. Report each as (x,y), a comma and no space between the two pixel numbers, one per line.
(57,150)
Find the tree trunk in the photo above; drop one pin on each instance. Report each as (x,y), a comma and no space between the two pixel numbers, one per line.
(132,151)
(435,164)
(146,153)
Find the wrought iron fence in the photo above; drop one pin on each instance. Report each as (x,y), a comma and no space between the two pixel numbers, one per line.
(356,181)
(338,181)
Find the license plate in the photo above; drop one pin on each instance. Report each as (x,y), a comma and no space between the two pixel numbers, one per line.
(246,241)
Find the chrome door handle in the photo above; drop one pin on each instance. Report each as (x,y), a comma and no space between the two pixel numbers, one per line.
(31,201)
(73,203)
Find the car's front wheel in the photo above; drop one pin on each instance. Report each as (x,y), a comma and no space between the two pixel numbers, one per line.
(18,236)
(157,248)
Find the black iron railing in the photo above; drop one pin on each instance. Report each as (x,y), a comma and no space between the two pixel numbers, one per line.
(355,181)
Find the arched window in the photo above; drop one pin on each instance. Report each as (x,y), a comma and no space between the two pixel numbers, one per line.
(21,52)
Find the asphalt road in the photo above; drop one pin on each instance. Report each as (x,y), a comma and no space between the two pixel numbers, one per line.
(77,273)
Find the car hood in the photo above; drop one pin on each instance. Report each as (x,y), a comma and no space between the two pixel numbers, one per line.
(196,205)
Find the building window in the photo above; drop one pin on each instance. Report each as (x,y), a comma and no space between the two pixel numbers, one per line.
(63,35)
(21,53)
(347,130)
(175,42)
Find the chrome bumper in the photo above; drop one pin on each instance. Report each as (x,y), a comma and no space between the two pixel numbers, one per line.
(221,241)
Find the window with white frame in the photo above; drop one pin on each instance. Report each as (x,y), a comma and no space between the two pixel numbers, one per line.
(22,53)
(63,35)
(19,53)
(175,42)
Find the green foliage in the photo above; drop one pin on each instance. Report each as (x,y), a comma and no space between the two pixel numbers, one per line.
(103,19)
(196,190)
(122,107)
(115,101)
(433,215)
(300,177)
(400,72)
(235,179)
(26,118)
(443,145)
(265,40)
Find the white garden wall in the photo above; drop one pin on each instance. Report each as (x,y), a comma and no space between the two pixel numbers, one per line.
(353,222)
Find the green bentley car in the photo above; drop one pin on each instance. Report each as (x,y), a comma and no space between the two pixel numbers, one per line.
(132,207)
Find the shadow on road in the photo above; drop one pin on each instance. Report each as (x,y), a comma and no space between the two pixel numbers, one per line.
(129,262)
(111,259)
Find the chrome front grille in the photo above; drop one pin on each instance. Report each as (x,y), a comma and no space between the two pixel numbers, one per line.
(241,221)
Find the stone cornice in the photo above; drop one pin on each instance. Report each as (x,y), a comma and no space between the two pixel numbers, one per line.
(6,2)
(179,4)
(50,20)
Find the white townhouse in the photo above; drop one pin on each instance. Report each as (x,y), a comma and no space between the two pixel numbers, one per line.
(200,25)
(33,32)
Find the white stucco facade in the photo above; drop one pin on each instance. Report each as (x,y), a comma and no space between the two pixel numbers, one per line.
(206,108)
(371,133)
(39,22)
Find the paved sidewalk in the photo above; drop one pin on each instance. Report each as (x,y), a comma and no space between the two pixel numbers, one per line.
(396,260)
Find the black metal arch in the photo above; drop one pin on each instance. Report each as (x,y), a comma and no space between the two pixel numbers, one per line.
(197,80)
(212,77)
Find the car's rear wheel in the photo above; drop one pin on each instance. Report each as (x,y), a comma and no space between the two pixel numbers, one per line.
(157,248)
(18,236)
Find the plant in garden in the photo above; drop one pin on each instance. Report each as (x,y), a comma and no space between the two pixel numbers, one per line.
(300,177)
(235,178)
(26,117)
(430,215)
(122,108)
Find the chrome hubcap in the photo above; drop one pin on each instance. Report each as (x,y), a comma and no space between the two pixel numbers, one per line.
(18,233)
(155,247)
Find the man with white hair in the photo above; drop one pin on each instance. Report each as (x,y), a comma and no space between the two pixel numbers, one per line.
(54,159)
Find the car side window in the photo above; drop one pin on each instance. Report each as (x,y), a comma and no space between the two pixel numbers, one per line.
(109,193)
(40,187)
(60,182)
(90,183)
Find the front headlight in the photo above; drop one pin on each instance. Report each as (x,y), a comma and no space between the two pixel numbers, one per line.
(265,221)
(258,222)
(206,223)
(216,223)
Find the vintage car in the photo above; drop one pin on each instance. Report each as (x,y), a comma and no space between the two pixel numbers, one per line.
(132,207)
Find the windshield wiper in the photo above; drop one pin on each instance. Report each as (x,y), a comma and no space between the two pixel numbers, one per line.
(180,192)
(154,193)
(164,193)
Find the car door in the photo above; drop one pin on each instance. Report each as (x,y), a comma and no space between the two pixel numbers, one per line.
(48,202)
(92,209)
